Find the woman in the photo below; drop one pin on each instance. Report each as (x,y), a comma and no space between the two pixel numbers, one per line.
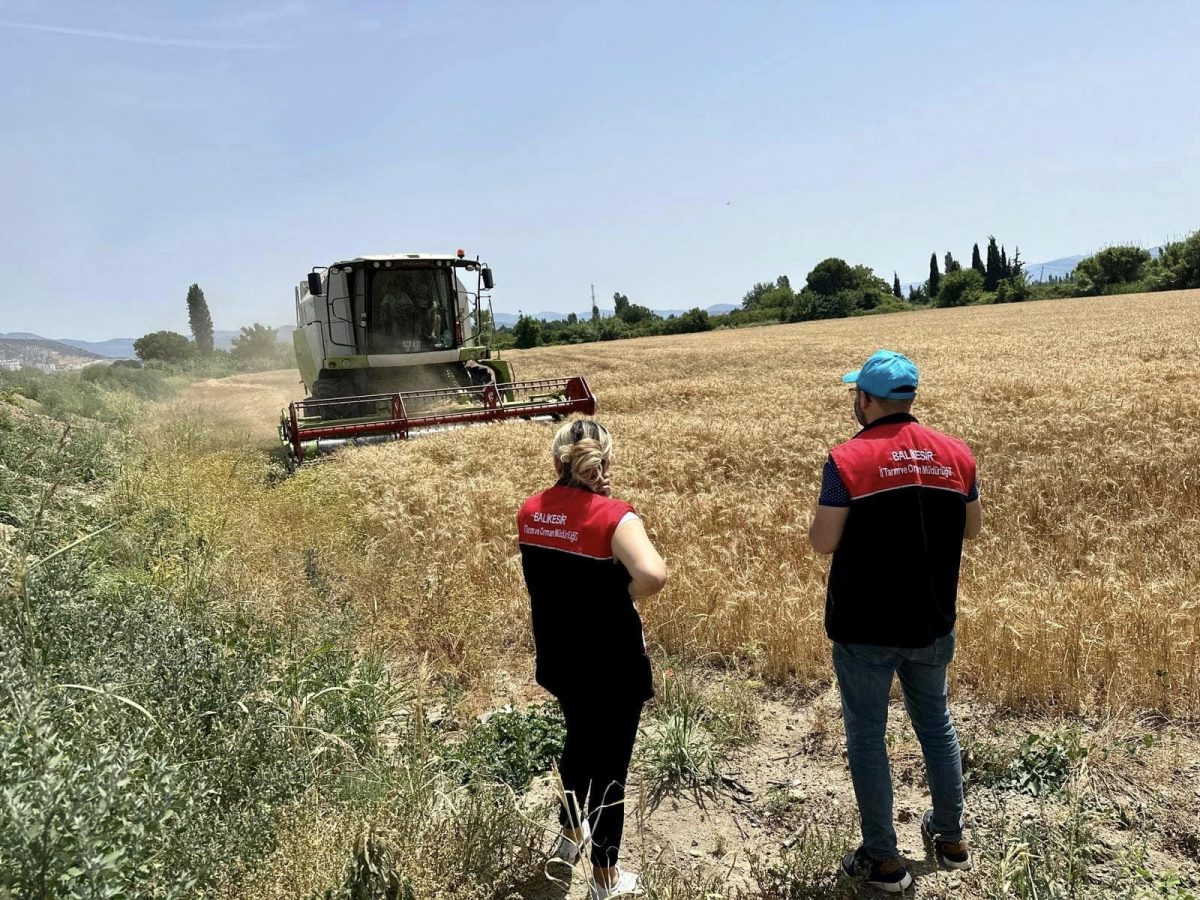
(586,559)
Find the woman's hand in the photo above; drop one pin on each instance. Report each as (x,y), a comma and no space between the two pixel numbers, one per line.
(631,545)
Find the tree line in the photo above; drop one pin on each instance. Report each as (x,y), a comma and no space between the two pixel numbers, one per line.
(628,320)
(834,289)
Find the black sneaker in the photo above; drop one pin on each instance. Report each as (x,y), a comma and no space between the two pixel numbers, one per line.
(951,854)
(890,876)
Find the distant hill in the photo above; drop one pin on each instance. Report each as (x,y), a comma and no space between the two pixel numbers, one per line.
(117,348)
(20,341)
(38,353)
(1059,268)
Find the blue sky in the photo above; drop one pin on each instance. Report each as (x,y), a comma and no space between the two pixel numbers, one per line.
(676,152)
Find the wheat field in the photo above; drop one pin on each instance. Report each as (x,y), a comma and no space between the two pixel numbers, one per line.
(1080,594)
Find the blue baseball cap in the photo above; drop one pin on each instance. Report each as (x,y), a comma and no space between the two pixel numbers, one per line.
(886,374)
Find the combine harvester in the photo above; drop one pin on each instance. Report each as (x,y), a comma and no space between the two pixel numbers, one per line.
(391,347)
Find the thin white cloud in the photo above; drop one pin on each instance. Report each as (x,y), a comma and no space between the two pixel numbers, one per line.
(265,15)
(125,37)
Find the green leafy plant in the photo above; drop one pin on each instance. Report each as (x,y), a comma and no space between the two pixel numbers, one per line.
(148,740)
(1144,883)
(1045,762)
(513,746)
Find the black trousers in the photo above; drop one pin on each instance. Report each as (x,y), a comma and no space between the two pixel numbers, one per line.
(594,766)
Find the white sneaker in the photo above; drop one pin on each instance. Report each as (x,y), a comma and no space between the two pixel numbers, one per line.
(566,853)
(628,885)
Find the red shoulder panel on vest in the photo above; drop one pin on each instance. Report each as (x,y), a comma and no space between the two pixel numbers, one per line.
(903,454)
(572,520)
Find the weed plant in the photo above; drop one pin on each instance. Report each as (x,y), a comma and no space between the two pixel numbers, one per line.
(663,880)
(1041,765)
(512,746)
(808,868)
(690,730)
(93,392)
(1050,854)
(1142,882)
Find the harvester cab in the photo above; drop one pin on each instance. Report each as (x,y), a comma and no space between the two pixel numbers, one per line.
(393,346)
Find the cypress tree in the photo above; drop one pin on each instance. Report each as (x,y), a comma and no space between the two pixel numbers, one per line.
(993,273)
(1004,262)
(935,277)
(977,261)
(952,264)
(896,286)
(200,320)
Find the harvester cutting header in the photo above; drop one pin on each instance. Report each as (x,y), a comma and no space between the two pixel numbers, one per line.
(393,346)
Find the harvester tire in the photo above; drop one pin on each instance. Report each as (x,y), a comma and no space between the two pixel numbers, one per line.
(331,385)
(334,384)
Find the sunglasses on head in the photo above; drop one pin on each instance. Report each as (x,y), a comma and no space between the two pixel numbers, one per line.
(581,426)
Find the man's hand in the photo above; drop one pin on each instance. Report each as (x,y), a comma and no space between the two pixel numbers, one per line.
(825,533)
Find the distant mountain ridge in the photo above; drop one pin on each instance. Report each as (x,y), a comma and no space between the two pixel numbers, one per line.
(1059,268)
(122,348)
(117,348)
(21,349)
(21,340)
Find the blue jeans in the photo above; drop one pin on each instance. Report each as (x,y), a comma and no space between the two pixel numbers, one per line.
(864,674)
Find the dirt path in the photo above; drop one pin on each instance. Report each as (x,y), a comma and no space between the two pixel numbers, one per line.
(245,408)
(794,777)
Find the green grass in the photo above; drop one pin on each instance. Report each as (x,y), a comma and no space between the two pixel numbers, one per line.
(100,391)
(155,738)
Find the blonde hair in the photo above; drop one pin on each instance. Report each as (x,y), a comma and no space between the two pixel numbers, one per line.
(584,450)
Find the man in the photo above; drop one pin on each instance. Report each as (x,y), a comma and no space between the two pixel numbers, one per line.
(896,502)
(406,313)
(427,316)
(396,311)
